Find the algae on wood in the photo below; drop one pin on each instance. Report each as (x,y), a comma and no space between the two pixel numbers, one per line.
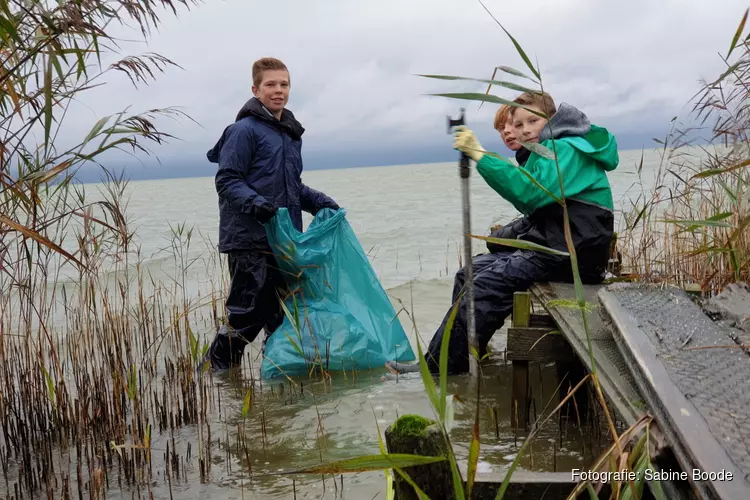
(414,434)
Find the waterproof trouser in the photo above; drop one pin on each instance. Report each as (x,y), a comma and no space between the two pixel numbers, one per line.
(253,304)
(496,278)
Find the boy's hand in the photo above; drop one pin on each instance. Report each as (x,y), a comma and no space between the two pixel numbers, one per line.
(466,142)
(265,212)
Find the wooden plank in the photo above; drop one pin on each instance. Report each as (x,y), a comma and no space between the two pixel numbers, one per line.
(541,321)
(537,344)
(614,377)
(525,485)
(521,309)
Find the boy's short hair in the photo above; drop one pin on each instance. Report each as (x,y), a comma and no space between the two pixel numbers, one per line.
(541,100)
(264,64)
(501,117)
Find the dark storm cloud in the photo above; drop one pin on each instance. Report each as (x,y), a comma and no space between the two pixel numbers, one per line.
(630,66)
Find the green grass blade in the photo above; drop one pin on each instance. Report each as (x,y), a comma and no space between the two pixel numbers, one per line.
(738,33)
(8,27)
(537,148)
(739,230)
(592,492)
(427,380)
(526,174)
(522,53)
(293,318)
(655,485)
(445,342)
(57,65)
(450,412)
(640,215)
(96,129)
(519,49)
(367,463)
(515,72)
(390,493)
(522,244)
(721,216)
(718,171)
(48,101)
(420,494)
(728,191)
(474,96)
(473,458)
(458,484)
(247,404)
(637,450)
(731,69)
(499,83)
(696,223)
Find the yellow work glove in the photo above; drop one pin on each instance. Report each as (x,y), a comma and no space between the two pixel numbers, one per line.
(466,142)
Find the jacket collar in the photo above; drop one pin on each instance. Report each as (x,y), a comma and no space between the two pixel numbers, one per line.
(288,123)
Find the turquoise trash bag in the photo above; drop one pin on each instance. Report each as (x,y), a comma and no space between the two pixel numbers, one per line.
(339,315)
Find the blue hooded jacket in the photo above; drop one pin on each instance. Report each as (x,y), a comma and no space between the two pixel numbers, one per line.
(260,161)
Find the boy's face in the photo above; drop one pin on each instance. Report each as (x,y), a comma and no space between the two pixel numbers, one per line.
(527,125)
(509,136)
(274,90)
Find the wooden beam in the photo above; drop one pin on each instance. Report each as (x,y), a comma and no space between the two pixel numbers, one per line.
(538,344)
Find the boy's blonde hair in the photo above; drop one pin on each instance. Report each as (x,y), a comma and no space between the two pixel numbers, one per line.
(501,117)
(543,101)
(265,64)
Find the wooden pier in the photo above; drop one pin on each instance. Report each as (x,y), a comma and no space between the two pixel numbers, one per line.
(641,338)
(656,354)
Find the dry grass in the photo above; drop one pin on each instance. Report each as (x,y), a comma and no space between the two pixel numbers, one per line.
(694,227)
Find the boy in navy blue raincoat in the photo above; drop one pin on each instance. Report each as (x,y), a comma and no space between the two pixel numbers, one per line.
(260,167)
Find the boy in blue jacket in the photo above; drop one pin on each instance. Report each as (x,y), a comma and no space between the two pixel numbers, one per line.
(260,167)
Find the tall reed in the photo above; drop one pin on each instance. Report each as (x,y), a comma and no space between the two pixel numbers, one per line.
(694,227)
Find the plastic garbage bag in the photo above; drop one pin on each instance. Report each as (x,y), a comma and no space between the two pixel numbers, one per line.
(338,316)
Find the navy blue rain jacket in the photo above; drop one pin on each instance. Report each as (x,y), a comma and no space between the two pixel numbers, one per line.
(260,161)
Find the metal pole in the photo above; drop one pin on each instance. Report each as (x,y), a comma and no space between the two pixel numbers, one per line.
(469,284)
(464,172)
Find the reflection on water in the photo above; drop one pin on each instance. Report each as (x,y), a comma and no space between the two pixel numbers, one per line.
(286,425)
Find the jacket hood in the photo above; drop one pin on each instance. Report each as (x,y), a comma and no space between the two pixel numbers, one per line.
(568,121)
(600,145)
(254,108)
(573,125)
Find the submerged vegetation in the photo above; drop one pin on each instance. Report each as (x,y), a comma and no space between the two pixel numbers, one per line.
(98,372)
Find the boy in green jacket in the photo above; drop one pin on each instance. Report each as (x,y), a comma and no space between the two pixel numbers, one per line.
(585,153)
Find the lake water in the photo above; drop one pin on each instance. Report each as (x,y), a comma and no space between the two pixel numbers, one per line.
(408,219)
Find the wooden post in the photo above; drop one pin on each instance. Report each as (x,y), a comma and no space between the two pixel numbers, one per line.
(519,406)
(416,435)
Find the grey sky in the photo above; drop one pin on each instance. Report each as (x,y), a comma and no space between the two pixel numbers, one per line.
(630,66)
